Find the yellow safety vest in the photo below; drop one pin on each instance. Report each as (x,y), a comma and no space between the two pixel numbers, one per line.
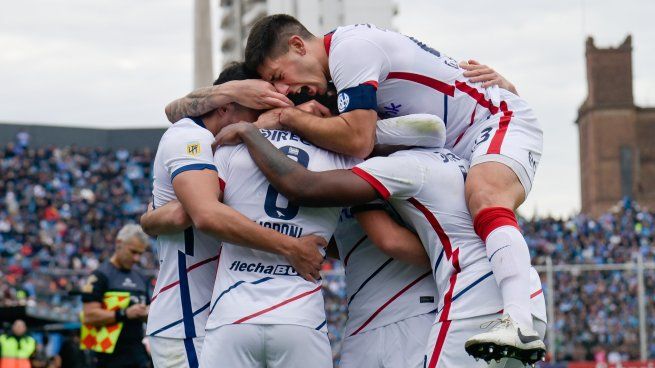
(16,352)
(103,339)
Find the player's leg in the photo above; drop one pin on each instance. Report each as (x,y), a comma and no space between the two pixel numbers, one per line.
(175,353)
(404,342)
(292,346)
(503,164)
(493,191)
(234,346)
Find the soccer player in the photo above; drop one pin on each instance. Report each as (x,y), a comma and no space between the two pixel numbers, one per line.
(426,187)
(184,170)
(262,313)
(390,292)
(381,72)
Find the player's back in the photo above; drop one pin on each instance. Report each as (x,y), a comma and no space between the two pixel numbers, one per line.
(410,78)
(380,289)
(257,287)
(426,187)
(187,260)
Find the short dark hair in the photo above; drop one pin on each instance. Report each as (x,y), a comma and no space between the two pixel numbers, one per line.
(268,38)
(235,71)
(329,99)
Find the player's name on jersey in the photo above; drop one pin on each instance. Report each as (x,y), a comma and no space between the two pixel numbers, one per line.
(281,135)
(286,229)
(278,270)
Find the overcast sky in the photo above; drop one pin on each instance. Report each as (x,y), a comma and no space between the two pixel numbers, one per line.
(118,62)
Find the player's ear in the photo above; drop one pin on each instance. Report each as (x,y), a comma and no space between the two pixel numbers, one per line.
(297,45)
(225,109)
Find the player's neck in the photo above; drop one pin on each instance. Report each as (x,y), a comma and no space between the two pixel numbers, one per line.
(212,123)
(317,46)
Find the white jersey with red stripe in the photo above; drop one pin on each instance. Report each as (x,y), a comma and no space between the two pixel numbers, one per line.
(427,189)
(397,75)
(187,260)
(380,290)
(257,287)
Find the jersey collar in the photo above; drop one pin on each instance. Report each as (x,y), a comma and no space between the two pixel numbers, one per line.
(198,121)
(327,42)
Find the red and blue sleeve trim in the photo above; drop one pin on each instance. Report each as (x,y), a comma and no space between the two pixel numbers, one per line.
(192,167)
(375,183)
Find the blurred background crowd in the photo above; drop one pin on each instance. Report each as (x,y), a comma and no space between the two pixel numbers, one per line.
(61,207)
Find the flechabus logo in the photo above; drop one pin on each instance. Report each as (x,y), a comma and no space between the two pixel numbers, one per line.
(278,270)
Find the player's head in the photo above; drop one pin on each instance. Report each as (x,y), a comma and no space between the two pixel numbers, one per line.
(233,112)
(286,54)
(18,328)
(131,242)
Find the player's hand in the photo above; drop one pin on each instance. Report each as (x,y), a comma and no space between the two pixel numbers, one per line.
(136,311)
(259,94)
(269,120)
(315,108)
(231,134)
(144,217)
(304,256)
(477,72)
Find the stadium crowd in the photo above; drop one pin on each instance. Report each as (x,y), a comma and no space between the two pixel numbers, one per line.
(60,208)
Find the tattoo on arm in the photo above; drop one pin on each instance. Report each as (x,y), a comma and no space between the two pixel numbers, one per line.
(195,103)
(275,165)
(330,188)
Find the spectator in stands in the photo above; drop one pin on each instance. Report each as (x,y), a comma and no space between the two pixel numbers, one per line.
(16,348)
(23,139)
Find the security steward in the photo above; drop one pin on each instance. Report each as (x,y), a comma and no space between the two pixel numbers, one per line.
(16,348)
(115,306)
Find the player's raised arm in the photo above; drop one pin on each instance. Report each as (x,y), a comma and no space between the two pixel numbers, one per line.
(351,133)
(301,186)
(392,238)
(253,93)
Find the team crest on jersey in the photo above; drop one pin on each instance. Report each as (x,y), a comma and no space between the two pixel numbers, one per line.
(193,149)
(343,101)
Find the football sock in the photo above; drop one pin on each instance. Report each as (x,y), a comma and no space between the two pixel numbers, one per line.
(509,256)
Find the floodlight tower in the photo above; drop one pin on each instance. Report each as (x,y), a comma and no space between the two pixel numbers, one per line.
(203,71)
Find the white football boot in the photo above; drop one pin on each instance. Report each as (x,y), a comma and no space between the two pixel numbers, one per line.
(506,340)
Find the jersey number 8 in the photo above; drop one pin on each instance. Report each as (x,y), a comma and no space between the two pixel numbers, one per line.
(270,204)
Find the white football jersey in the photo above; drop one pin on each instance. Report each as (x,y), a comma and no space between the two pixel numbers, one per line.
(258,287)
(380,289)
(187,260)
(427,189)
(397,75)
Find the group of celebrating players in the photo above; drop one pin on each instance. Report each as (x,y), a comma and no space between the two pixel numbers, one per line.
(412,183)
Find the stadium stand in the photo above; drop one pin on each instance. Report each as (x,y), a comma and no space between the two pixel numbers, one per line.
(59,208)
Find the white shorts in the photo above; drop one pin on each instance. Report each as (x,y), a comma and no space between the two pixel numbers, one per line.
(514,139)
(167,352)
(445,347)
(266,346)
(398,345)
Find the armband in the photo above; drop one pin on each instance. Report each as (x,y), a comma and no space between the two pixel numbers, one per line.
(363,96)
